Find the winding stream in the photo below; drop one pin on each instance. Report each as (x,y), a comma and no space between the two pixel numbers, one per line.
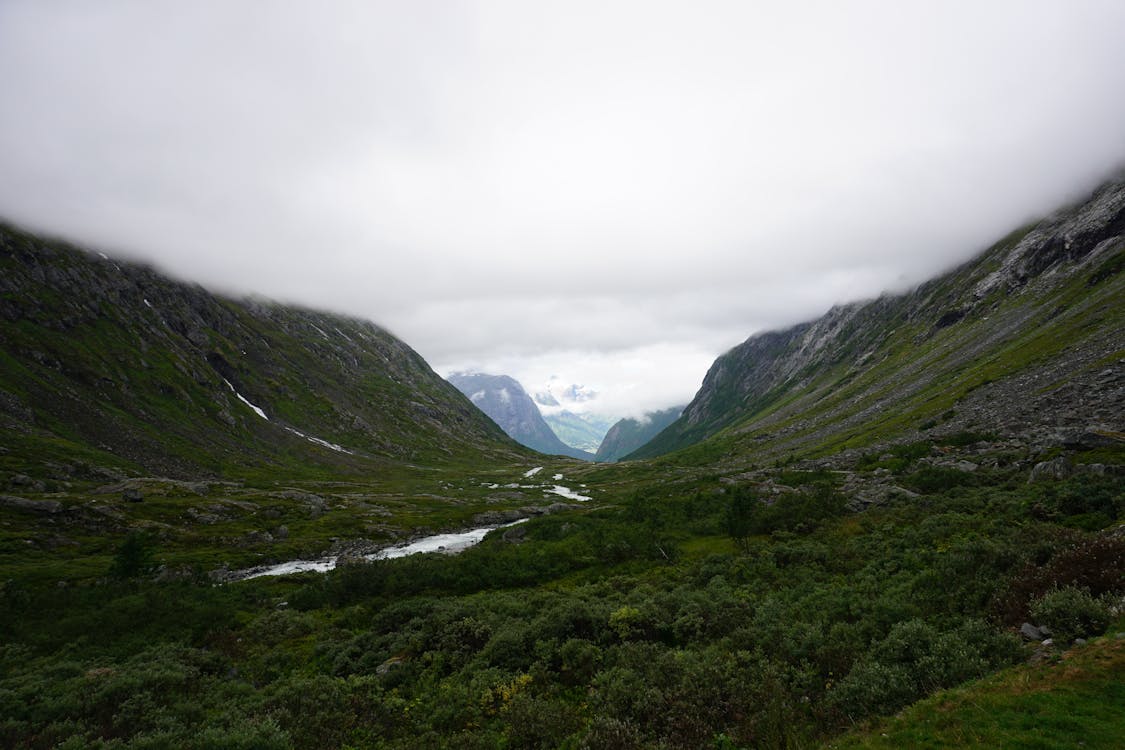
(448,544)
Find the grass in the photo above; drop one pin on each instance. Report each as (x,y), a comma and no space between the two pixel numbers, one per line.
(1073,701)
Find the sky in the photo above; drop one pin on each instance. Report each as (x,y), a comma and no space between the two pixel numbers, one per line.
(602,193)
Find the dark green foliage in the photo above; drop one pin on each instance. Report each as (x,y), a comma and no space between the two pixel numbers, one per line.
(1070,613)
(932,479)
(1094,564)
(799,512)
(914,659)
(740,515)
(134,557)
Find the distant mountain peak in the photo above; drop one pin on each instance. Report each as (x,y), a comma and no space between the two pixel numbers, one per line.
(506,402)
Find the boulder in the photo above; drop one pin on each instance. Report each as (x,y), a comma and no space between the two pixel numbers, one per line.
(1056,468)
(49,507)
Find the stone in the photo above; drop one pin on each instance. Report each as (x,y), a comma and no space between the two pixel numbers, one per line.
(132,495)
(1056,468)
(30,506)
(1030,632)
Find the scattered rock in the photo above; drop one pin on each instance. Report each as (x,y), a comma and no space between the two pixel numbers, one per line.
(1056,468)
(49,507)
(132,495)
(1030,632)
(32,485)
(1094,436)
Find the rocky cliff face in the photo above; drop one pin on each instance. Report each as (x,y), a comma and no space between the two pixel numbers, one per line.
(627,435)
(506,402)
(109,362)
(1026,340)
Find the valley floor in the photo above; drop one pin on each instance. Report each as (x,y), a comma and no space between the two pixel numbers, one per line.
(674,609)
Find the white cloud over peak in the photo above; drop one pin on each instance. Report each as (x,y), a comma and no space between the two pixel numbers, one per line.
(617,191)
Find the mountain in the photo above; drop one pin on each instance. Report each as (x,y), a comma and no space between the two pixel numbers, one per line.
(582,431)
(627,435)
(110,364)
(1024,341)
(507,403)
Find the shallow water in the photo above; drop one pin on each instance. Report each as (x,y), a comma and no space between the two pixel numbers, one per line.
(448,544)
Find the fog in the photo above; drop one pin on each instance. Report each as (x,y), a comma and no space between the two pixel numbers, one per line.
(605,193)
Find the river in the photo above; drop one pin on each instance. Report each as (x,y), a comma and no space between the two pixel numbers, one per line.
(449,544)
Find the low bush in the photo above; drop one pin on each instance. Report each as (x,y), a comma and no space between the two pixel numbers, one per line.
(1070,613)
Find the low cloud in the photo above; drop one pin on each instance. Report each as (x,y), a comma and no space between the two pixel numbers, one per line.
(617,191)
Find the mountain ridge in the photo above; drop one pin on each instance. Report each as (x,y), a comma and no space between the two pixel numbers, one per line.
(628,434)
(1037,305)
(114,361)
(506,403)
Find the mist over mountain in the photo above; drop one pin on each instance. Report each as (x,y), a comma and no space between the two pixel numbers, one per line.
(1023,341)
(506,402)
(628,435)
(114,363)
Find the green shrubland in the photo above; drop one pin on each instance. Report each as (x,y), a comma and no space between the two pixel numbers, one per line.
(646,622)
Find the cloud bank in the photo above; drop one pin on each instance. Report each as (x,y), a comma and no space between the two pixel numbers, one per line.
(610,192)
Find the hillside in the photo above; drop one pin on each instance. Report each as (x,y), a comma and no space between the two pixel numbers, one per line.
(109,365)
(582,431)
(1026,341)
(506,402)
(627,435)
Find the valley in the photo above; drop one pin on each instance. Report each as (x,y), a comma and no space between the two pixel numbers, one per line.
(910,502)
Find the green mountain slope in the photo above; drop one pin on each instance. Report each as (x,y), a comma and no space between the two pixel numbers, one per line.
(627,435)
(110,364)
(1026,340)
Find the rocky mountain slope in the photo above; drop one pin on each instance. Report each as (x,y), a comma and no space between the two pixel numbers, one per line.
(506,402)
(110,364)
(1027,341)
(627,435)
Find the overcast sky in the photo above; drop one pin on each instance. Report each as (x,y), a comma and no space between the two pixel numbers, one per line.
(612,193)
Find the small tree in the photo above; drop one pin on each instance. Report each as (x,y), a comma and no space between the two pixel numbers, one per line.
(134,557)
(739,519)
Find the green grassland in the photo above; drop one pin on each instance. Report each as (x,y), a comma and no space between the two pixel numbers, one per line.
(652,616)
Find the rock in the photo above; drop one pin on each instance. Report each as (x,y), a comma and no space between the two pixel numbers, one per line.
(1079,641)
(1094,436)
(965,466)
(1056,468)
(1049,642)
(1030,632)
(49,507)
(132,495)
(281,532)
(31,485)
(389,664)
(515,535)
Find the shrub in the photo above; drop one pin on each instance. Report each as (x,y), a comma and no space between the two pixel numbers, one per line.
(1096,565)
(134,557)
(1070,613)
